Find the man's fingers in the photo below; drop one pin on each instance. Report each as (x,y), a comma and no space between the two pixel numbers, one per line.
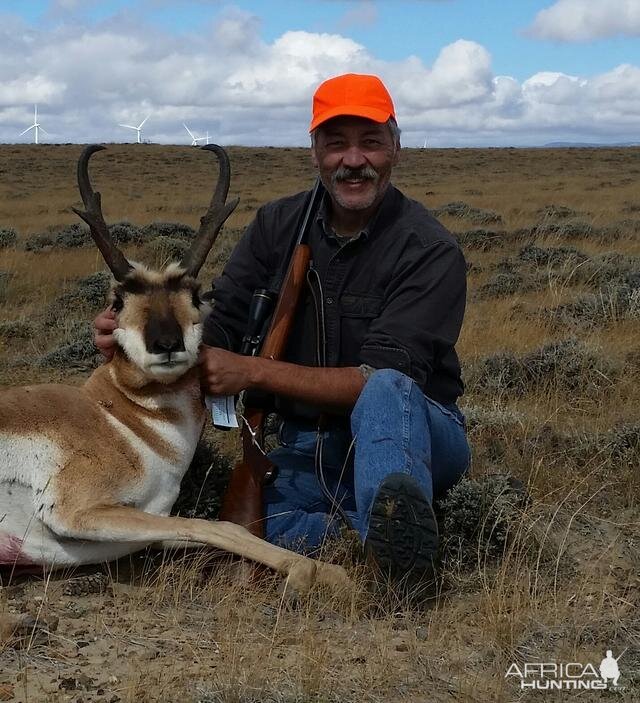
(106,345)
(105,322)
(105,340)
(104,325)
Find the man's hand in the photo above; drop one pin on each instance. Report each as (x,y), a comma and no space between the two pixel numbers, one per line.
(224,373)
(103,327)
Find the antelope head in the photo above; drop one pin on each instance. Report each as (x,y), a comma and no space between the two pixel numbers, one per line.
(158,312)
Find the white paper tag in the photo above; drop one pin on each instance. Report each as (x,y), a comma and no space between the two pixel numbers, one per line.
(223,410)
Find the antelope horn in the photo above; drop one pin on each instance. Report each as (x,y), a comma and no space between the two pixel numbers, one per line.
(113,257)
(211,222)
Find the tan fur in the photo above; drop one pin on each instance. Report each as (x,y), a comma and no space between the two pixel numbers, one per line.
(109,455)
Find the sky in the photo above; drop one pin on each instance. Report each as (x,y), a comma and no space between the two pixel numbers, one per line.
(461,72)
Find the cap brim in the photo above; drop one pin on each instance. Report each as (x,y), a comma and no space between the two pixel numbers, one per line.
(369,113)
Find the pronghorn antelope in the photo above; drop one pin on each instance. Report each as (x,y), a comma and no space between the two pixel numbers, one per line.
(90,473)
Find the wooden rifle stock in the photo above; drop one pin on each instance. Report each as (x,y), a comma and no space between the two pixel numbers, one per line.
(243,502)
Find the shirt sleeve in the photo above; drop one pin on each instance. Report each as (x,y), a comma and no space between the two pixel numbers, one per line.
(246,270)
(422,313)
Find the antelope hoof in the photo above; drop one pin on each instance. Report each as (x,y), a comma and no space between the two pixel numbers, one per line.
(301,576)
(333,576)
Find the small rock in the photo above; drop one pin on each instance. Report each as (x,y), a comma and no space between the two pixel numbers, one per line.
(422,633)
(402,647)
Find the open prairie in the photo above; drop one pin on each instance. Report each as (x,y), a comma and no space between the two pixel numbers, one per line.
(551,356)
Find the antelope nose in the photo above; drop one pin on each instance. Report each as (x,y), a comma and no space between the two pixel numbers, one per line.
(167,345)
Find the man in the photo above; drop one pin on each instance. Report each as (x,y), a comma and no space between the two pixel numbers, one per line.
(372,348)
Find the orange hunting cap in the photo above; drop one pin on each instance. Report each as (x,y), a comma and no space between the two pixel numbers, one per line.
(352,94)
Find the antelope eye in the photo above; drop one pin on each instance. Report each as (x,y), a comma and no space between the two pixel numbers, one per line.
(118,303)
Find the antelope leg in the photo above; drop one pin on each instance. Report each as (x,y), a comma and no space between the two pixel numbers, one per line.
(119,523)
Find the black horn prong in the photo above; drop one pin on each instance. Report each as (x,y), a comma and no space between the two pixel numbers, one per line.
(211,222)
(92,215)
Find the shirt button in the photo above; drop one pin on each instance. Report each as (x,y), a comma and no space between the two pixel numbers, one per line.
(329,301)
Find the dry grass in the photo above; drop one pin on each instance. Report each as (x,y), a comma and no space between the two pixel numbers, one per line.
(565,583)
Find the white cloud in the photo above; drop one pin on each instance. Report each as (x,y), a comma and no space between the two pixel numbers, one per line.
(244,90)
(586,20)
(237,30)
(32,90)
(549,88)
(460,75)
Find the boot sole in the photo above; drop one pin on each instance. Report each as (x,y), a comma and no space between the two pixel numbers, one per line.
(403,531)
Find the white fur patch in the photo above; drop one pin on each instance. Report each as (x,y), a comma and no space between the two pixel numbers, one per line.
(29,460)
(157,366)
(192,339)
(25,540)
(158,490)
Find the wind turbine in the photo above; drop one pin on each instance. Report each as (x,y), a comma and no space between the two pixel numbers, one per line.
(424,146)
(35,126)
(138,128)
(194,139)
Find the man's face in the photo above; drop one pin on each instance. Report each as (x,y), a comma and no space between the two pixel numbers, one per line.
(355,157)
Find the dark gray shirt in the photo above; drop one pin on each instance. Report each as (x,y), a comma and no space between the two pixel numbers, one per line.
(394,296)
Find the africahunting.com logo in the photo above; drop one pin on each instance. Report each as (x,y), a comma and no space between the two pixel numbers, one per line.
(545,676)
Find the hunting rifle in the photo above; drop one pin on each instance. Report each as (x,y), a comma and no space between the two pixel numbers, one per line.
(242,502)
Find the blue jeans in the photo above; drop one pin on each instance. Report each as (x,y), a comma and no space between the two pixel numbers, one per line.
(396,428)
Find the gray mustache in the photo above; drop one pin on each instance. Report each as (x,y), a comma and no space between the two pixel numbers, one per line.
(344,173)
